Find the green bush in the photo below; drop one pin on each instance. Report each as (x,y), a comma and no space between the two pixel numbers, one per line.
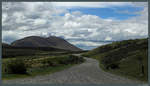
(20,65)
(49,62)
(75,59)
(70,59)
(112,66)
(16,66)
(81,59)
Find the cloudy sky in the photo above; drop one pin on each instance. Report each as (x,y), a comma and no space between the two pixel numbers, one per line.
(84,24)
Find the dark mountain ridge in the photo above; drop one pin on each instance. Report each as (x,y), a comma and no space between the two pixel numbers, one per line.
(5,45)
(52,41)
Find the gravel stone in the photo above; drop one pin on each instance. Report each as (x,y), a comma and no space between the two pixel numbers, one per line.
(88,72)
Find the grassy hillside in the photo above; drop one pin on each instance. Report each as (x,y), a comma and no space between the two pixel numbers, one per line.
(20,62)
(128,58)
(11,51)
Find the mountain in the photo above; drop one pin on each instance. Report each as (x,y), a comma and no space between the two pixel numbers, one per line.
(5,45)
(52,41)
(128,58)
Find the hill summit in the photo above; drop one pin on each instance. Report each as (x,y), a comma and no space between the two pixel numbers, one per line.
(51,41)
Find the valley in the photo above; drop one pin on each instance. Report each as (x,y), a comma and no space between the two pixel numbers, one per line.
(118,62)
(23,60)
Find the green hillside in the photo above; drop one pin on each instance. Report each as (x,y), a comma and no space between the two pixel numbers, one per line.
(9,51)
(21,62)
(127,58)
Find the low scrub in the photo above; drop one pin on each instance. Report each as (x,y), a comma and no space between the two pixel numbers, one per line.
(22,65)
(128,58)
(15,66)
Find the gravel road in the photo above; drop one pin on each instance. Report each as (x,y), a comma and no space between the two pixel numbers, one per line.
(85,73)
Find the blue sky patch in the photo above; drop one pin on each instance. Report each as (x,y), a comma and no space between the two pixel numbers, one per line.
(119,13)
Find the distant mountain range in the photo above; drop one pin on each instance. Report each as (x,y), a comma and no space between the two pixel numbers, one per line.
(5,45)
(37,41)
(93,40)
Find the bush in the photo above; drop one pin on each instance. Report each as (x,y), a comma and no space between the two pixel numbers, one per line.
(81,59)
(50,62)
(75,59)
(112,66)
(16,66)
(70,59)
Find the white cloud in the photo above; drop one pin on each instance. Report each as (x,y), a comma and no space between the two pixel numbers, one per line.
(108,38)
(24,28)
(39,21)
(4,16)
(45,18)
(9,36)
(90,4)
(88,43)
(70,24)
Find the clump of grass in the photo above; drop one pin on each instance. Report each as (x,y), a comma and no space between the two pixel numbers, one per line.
(15,66)
(25,67)
(127,58)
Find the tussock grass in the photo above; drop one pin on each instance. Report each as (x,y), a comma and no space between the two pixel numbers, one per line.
(123,58)
(37,66)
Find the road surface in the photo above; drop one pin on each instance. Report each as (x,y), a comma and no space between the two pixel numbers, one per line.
(85,73)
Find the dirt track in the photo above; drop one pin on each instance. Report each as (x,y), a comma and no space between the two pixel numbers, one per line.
(85,73)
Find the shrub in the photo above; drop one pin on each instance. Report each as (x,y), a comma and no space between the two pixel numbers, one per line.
(81,59)
(49,62)
(70,59)
(112,66)
(75,59)
(16,66)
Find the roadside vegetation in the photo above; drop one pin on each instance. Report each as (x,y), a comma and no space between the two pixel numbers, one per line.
(128,58)
(27,62)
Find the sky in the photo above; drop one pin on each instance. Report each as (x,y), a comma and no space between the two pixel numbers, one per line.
(84,24)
